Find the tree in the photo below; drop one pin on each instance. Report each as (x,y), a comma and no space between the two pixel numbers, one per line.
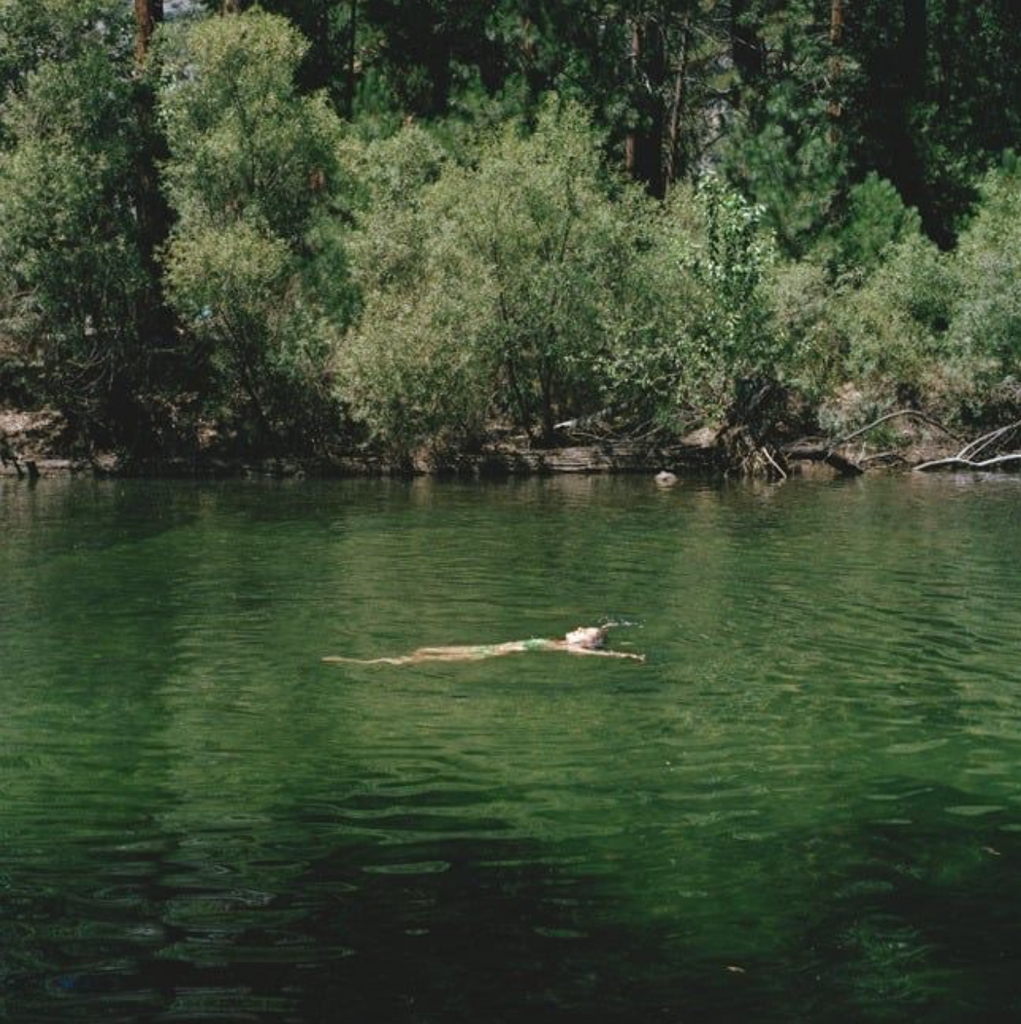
(485,296)
(252,172)
(70,252)
(148,14)
(936,99)
(691,319)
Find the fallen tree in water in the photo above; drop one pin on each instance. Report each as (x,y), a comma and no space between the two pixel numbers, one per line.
(828,451)
(967,457)
(821,450)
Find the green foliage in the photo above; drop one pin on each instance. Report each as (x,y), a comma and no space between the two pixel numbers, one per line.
(69,258)
(391,172)
(253,170)
(927,328)
(896,324)
(786,161)
(986,331)
(935,100)
(694,322)
(876,218)
(801,297)
(485,292)
(36,32)
(482,265)
(244,144)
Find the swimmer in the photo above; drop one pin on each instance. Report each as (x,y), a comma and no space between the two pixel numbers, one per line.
(583,640)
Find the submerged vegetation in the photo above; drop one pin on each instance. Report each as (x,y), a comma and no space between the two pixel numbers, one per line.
(405,227)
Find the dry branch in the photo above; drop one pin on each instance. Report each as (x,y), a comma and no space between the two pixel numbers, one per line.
(813,450)
(910,413)
(965,458)
(980,444)
(957,461)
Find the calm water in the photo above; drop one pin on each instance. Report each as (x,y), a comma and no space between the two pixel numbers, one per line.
(806,805)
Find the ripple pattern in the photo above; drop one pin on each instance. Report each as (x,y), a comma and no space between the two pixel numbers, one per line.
(806,804)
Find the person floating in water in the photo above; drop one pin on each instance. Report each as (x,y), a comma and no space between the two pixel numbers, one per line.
(583,640)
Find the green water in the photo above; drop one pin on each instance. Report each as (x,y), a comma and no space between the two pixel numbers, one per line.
(805,805)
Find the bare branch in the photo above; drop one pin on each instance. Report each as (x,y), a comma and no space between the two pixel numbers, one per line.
(958,462)
(911,413)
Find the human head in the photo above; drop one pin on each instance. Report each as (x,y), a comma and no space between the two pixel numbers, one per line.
(590,637)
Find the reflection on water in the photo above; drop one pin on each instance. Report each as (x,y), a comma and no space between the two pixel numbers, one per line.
(806,804)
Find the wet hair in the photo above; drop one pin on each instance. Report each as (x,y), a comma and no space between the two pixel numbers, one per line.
(592,637)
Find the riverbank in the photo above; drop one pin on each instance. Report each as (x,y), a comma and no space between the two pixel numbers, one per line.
(35,444)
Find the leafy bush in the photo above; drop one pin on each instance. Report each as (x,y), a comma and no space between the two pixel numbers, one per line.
(37,32)
(490,282)
(69,254)
(253,170)
(694,321)
(939,330)
(876,219)
(801,297)
(892,331)
(986,331)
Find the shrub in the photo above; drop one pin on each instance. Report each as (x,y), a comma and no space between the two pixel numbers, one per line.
(493,279)
(252,173)
(694,321)
(801,297)
(876,219)
(69,255)
(894,331)
(986,331)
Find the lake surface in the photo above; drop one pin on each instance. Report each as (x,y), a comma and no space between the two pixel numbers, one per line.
(805,805)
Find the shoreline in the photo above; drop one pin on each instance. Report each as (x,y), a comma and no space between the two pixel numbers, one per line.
(32,446)
(678,463)
(489,464)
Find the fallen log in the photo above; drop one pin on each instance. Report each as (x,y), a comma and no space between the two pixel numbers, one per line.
(816,451)
(906,413)
(843,465)
(956,462)
(980,444)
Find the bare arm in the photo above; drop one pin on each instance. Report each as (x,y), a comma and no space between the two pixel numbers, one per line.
(605,654)
(335,659)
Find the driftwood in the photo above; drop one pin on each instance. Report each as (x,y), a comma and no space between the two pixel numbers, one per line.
(815,451)
(980,444)
(800,452)
(955,462)
(966,457)
(900,413)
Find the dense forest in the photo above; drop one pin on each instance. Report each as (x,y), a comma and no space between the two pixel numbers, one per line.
(312,226)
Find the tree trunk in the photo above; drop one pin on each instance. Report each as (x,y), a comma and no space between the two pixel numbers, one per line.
(438,66)
(155,322)
(148,14)
(916,48)
(352,51)
(908,151)
(836,42)
(746,48)
(836,22)
(676,165)
(643,151)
